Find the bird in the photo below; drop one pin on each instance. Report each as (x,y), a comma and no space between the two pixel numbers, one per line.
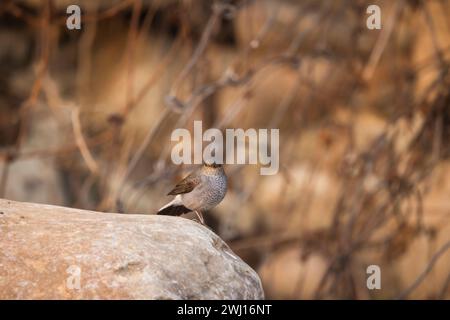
(201,190)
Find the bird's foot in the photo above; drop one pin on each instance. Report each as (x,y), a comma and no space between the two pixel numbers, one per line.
(200,217)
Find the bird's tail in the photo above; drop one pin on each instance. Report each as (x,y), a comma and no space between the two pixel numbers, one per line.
(174,208)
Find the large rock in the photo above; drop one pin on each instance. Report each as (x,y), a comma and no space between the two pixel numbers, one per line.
(50,252)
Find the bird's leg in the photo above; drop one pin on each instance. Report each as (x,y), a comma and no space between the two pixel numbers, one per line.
(200,217)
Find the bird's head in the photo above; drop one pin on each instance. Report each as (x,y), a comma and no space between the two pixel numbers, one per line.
(212,168)
(212,165)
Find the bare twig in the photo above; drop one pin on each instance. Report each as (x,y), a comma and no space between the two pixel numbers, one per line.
(427,270)
(81,142)
(382,41)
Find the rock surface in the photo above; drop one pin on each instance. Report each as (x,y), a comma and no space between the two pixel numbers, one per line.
(50,252)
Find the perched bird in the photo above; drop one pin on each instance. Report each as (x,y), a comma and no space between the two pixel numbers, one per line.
(202,190)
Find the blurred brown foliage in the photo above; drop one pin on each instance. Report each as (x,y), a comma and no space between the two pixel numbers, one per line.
(364,118)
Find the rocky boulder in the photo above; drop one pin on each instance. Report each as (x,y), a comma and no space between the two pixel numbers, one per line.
(50,252)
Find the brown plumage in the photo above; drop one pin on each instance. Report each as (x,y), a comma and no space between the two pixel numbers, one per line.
(186,185)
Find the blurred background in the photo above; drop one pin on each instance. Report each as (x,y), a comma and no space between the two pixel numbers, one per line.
(364,118)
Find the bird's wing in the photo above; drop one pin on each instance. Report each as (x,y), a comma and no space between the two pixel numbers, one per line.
(186,185)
